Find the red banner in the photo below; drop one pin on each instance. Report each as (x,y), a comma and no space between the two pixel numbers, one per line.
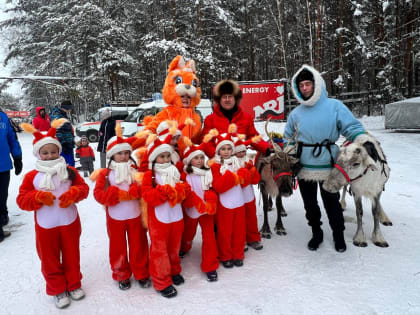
(21,113)
(263,100)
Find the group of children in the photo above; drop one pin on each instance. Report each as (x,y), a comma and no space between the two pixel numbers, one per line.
(168,195)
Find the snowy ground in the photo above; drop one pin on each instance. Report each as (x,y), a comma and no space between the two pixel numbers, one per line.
(283,278)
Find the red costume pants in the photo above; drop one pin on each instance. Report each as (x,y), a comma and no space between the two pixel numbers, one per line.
(209,261)
(230,232)
(58,250)
(165,242)
(252,233)
(138,258)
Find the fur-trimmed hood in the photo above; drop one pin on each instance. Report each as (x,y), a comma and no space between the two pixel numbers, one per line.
(319,87)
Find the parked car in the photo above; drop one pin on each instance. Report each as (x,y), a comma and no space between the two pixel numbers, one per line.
(134,121)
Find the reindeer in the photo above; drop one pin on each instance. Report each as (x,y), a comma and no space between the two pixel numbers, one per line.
(362,165)
(276,181)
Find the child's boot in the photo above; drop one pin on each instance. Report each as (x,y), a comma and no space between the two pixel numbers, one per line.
(62,300)
(169,292)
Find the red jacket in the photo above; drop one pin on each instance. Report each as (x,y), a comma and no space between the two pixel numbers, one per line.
(85,151)
(242,120)
(42,124)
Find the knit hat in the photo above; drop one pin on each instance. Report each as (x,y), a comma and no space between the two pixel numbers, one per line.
(84,138)
(41,139)
(157,146)
(304,75)
(118,143)
(166,128)
(66,105)
(225,138)
(241,144)
(227,87)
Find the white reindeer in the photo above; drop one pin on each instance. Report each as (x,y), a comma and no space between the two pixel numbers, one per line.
(363,166)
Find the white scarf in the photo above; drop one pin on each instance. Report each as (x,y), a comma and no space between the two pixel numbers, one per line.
(168,172)
(50,168)
(233,161)
(205,176)
(124,172)
(243,160)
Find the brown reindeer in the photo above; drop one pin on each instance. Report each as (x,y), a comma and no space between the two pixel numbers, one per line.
(276,181)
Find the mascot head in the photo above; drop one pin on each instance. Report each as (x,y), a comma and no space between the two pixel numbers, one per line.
(181,81)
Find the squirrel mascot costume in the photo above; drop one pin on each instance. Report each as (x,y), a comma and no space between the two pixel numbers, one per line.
(180,81)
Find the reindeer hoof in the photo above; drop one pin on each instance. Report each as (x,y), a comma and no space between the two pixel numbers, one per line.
(387,223)
(270,209)
(283,213)
(359,244)
(381,244)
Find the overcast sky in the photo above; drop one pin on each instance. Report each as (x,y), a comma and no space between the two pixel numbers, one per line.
(15,88)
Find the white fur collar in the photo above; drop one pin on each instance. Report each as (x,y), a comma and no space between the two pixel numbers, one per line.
(318,85)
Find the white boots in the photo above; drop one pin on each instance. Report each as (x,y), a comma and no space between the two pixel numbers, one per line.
(62,300)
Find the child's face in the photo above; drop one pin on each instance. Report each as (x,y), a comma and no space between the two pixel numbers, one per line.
(49,152)
(122,156)
(225,151)
(164,157)
(175,139)
(240,154)
(84,142)
(198,161)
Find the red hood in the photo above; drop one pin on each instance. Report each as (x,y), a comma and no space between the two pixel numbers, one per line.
(37,112)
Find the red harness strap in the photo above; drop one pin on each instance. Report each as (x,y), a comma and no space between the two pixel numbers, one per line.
(342,172)
(281,174)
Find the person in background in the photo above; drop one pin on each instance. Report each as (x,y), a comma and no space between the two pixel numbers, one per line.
(318,121)
(65,133)
(42,120)
(10,146)
(106,132)
(86,155)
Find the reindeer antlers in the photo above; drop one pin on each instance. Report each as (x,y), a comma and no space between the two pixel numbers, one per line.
(288,149)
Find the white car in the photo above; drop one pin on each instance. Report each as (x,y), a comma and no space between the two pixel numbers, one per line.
(134,121)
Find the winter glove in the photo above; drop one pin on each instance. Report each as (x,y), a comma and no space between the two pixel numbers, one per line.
(180,191)
(244,176)
(17,162)
(134,191)
(69,197)
(112,194)
(171,193)
(45,197)
(210,197)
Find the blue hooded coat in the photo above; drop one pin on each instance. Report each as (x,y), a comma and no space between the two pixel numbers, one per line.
(10,144)
(319,120)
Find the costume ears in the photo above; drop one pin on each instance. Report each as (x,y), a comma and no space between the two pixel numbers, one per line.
(179,63)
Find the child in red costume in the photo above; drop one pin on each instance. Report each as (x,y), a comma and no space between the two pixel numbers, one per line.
(163,192)
(118,191)
(230,219)
(200,207)
(253,236)
(51,191)
(86,155)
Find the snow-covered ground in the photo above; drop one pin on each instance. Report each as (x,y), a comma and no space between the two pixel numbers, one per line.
(283,278)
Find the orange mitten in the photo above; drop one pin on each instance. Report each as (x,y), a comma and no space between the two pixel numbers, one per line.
(134,191)
(45,197)
(123,195)
(237,179)
(112,195)
(210,197)
(69,197)
(172,195)
(244,176)
(180,191)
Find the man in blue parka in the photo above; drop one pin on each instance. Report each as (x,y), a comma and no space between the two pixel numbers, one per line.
(319,121)
(9,146)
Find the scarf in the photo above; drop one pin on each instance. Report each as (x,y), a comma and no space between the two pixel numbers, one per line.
(205,176)
(168,172)
(124,172)
(233,161)
(50,168)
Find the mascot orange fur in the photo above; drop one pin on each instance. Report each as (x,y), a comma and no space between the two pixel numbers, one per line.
(180,81)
